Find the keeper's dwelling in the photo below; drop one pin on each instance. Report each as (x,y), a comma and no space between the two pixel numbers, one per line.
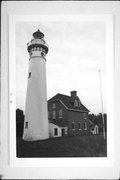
(67,116)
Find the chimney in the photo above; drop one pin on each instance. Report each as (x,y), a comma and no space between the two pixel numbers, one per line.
(73,94)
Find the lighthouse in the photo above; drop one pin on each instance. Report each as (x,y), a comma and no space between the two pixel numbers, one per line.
(36,116)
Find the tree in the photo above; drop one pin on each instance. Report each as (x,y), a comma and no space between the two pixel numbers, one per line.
(92,117)
(19,122)
(97,119)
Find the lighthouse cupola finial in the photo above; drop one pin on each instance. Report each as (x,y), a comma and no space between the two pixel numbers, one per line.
(38,34)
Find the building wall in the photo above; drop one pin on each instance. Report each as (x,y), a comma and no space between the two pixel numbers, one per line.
(58,106)
(69,117)
(76,118)
(51,130)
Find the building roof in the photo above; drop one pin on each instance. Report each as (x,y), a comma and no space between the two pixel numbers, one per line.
(58,123)
(68,102)
(92,124)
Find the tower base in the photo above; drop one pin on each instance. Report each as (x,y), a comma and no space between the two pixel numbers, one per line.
(35,137)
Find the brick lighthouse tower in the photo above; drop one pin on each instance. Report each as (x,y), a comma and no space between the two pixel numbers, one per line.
(36,116)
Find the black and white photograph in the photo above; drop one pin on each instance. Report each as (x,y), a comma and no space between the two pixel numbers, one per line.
(61,89)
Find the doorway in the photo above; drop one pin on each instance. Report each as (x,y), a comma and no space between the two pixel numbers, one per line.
(63,132)
(55,131)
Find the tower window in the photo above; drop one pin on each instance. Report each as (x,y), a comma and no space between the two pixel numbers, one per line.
(73,125)
(42,54)
(26,125)
(29,76)
(48,115)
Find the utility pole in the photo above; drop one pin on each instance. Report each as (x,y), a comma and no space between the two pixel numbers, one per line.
(102,105)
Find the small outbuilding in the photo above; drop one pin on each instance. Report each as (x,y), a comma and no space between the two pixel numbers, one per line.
(57,130)
(94,128)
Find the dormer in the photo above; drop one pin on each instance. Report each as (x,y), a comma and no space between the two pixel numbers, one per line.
(77,102)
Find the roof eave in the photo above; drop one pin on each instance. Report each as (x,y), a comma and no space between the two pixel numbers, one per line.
(78,110)
(69,109)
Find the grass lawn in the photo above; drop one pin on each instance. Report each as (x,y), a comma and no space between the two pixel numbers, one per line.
(82,146)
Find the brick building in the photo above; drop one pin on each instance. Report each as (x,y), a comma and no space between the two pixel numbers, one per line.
(67,115)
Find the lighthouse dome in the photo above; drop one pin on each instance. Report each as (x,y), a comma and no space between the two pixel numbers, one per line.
(38,34)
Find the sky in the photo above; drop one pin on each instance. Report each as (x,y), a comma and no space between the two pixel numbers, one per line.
(76,53)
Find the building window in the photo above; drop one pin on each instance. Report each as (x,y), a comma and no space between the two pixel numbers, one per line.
(26,125)
(84,116)
(53,105)
(76,103)
(79,126)
(85,126)
(29,76)
(73,125)
(60,113)
(42,54)
(54,114)
(55,131)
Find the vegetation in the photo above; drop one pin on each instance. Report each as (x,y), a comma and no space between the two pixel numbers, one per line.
(82,146)
(97,119)
(19,122)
